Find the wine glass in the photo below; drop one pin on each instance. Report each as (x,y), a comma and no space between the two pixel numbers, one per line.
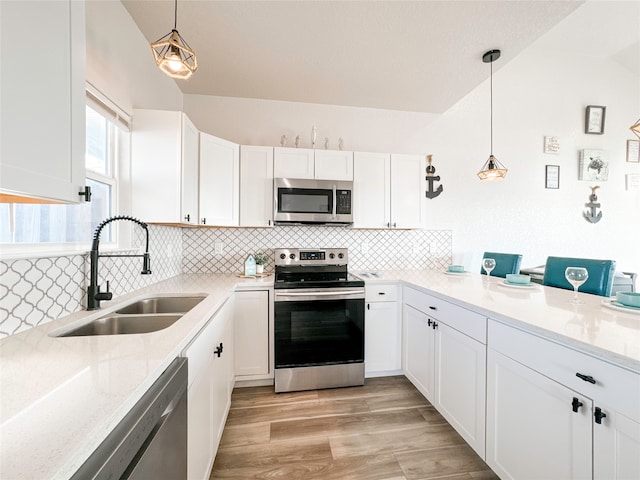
(576,276)
(488,264)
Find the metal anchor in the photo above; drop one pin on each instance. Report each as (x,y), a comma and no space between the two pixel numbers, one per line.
(431,179)
(591,214)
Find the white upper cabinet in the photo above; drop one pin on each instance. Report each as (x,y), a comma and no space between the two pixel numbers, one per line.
(164,167)
(43,99)
(313,164)
(408,187)
(256,186)
(371,186)
(219,181)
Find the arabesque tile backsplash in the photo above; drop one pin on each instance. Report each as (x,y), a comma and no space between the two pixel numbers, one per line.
(37,290)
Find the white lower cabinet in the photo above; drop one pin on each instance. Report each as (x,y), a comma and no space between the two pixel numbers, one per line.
(211,380)
(382,331)
(444,356)
(252,335)
(554,412)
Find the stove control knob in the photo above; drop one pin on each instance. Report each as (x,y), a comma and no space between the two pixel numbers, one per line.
(282,256)
(341,255)
(332,255)
(292,256)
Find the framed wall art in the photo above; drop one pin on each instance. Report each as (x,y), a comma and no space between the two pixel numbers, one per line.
(552,176)
(594,165)
(594,119)
(633,151)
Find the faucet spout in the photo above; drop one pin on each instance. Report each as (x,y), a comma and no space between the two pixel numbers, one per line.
(94,295)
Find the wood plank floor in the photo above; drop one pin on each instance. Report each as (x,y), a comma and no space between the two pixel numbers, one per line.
(384,430)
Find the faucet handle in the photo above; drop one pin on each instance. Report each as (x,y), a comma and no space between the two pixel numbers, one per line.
(106,295)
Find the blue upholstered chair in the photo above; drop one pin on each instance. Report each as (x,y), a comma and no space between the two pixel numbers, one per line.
(505,263)
(600,274)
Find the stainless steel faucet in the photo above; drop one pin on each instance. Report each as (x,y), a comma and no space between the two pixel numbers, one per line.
(94,295)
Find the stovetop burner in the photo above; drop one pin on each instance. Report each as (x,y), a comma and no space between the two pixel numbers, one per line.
(313,268)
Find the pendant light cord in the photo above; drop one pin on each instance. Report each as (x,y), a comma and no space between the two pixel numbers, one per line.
(491,107)
(175,15)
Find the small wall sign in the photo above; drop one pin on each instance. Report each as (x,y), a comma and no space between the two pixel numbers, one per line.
(594,120)
(633,151)
(632,181)
(594,165)
(552,176)
(551,145)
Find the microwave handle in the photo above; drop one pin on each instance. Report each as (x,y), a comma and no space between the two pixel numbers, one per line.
(335,199)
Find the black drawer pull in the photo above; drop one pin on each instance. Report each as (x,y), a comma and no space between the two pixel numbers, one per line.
(431,307)
(576,404)
(381,293)
(599,415)
(586,378)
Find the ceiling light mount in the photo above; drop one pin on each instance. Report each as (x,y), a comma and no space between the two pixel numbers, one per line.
(492,168)
(172,53)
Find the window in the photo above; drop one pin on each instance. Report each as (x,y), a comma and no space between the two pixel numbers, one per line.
(45,224)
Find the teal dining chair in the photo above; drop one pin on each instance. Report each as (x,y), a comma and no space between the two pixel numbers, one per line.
(600,274)
(505,263)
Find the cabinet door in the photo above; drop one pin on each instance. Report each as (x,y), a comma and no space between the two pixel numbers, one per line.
(200,451)
(532,431)
(371,184)
(293,163)
(223,372)
(460,384)
(382,337)
(189,184)
(407,190)
(616,447)
(251,339)
(219,181)
(42,135)
(256,186)
(333,165)
(418,350)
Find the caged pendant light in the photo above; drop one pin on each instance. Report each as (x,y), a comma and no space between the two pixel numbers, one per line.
(172,53)
(492,168)
(635,128)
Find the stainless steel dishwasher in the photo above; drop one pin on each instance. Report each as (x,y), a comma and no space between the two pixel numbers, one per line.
(151,441)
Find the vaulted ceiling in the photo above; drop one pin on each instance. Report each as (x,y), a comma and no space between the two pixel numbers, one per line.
(418,56)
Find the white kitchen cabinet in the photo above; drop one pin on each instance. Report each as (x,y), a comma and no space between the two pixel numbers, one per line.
(211,378)
(312,164)
(382,343)
(164,167)
(252,338)
(408,187)
(444,353)
(372,187)
(219,181)
(601,440)
(532,430)
(42,136)
(256,186)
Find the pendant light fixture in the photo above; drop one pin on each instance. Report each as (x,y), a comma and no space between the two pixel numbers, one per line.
(492,168)
(635,128)
(172,53)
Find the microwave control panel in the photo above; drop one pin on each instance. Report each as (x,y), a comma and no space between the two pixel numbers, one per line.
(343,202)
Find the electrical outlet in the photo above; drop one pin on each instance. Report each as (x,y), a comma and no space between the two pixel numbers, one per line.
(364,248)
(217,247)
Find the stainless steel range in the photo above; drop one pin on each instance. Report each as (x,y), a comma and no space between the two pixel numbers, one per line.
(319,320)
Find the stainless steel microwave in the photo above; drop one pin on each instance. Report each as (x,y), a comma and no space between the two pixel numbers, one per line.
(312,201)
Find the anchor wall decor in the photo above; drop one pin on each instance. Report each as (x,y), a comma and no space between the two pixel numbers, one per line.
(591,214)
(431,179)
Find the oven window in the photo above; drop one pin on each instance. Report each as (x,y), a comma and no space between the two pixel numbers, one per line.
(319,332)
(300,200)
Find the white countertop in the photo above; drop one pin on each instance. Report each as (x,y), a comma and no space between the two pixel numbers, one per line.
(60,397)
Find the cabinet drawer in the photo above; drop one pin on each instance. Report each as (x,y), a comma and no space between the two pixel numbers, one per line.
(614,387)
(470,323)
(381,293)
(201,348)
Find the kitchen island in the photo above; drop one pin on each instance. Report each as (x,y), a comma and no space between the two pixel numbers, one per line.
(61,396)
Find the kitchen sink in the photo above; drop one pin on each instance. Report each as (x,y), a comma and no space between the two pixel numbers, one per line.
(124,324)
(161,305)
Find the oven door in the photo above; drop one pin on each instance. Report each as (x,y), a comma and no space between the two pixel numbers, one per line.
(319,327)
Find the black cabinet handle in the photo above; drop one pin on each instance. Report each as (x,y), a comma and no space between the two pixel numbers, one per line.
(429,322)
(368,306)
(431,307)
(381,293)
(187,217)
(576,404)
(203,221)
(586,378)
(218,350)
(599,415)
(435,325)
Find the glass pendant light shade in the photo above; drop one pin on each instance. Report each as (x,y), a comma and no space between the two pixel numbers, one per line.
(172,53)
(635,128)
(492,170)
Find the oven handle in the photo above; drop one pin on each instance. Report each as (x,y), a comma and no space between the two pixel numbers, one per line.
(297,296)
(335,199)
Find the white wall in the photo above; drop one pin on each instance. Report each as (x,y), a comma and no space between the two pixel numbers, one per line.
(543,91)
(120,63)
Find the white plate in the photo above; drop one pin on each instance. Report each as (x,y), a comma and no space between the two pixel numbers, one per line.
(456,274)
(528,286)
(614,305)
